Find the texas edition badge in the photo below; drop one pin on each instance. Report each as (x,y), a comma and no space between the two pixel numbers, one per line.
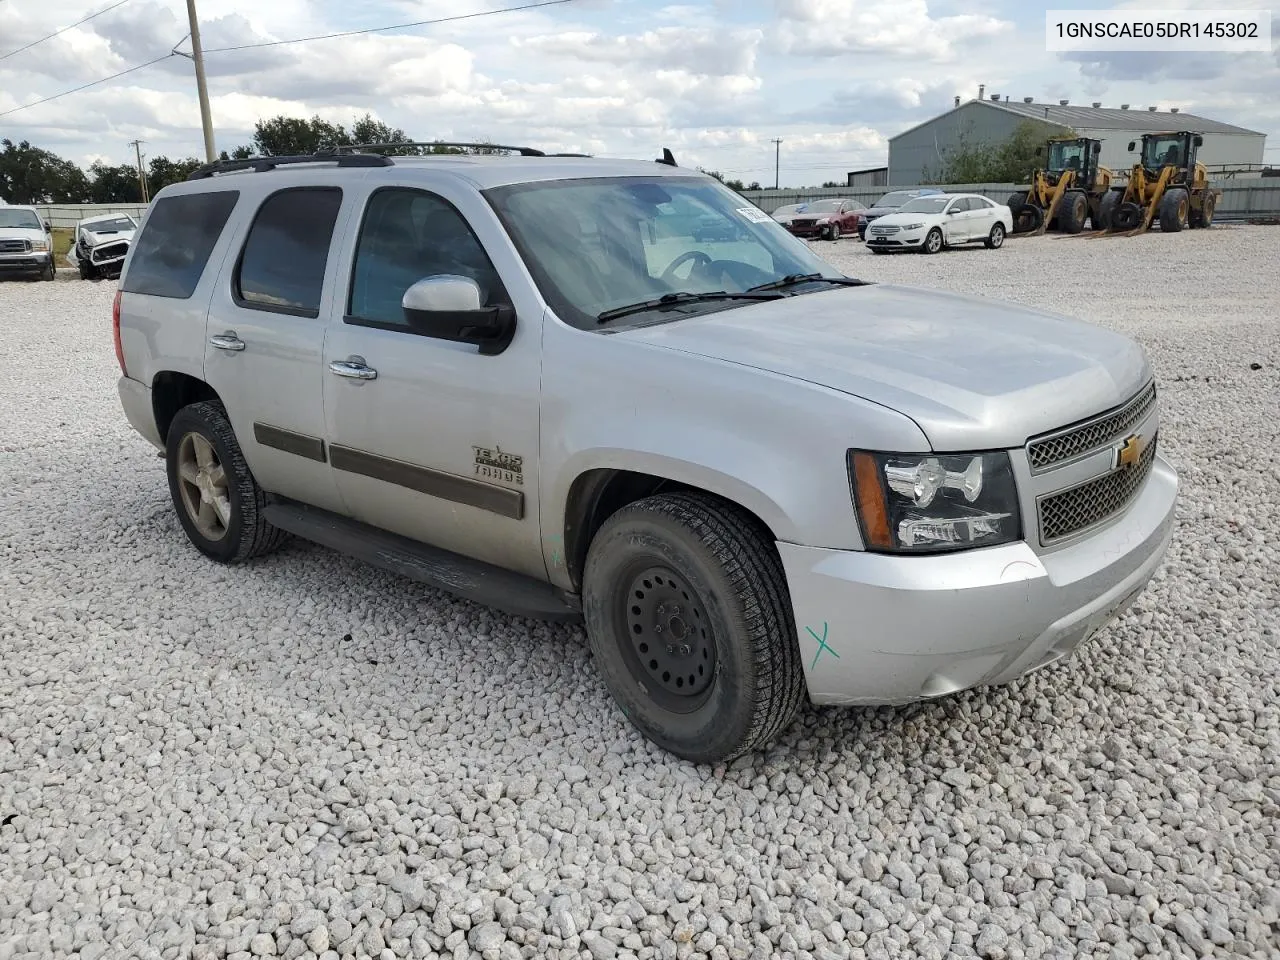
(493,464)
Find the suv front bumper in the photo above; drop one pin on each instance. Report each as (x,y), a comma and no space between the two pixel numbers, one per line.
(34,262)
(880,629)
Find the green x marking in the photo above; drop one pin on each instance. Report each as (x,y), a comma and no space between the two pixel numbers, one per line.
(822,644)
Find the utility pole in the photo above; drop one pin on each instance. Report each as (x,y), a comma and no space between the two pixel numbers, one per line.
(777,161)
(197,56)
(142,176)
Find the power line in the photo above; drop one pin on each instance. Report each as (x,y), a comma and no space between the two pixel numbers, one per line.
(85,86)
(274,43)
(33,43)
(394,26)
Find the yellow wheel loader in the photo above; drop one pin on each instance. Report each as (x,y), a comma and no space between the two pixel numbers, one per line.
(1067,192)
(1167,182)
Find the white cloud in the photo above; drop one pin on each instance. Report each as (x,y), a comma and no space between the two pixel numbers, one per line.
(715,80)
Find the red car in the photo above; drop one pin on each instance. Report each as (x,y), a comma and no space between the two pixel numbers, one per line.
(829,218)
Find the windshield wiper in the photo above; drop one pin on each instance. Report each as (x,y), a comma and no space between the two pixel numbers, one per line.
(792,279)
(674,299)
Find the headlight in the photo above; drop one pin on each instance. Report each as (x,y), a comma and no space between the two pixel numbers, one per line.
(925,503)
(821,220)
(912,226)
(39,245)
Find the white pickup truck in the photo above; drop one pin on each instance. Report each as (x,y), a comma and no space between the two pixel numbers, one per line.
(542,383)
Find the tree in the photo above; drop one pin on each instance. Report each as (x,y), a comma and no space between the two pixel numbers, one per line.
(737,186)
(1006,161)
(118,184)
(161,171)
(31,175)
(284,136)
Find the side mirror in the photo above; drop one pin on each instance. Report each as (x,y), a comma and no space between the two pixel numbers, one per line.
(1198,141)
(1131,146)
(447,307)
(48,227)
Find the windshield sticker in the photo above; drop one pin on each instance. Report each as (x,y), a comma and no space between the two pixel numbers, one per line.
(754,214)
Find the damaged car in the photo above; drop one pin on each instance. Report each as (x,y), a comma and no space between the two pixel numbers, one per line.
(101,244)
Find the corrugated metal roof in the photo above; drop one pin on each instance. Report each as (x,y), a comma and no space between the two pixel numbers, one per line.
(1136,118)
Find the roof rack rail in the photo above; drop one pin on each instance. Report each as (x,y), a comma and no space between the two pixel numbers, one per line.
(350,149)
(262,164)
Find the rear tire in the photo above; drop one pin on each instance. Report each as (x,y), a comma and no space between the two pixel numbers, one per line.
(995,239)
(218,502)
(1075,210)
(1203,217)
(690,624)
(1175,208)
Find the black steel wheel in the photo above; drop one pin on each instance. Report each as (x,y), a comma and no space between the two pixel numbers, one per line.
(690,624)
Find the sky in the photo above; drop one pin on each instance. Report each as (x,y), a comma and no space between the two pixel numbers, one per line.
(716,81)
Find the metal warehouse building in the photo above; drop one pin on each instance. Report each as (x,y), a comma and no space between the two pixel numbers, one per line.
(924,147)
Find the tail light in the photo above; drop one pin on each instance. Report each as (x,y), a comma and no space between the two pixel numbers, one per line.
(115,332)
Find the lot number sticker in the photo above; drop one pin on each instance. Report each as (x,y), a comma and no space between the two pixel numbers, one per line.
(754,214)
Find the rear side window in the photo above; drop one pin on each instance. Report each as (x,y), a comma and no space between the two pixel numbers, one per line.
(171,252)
(282,265)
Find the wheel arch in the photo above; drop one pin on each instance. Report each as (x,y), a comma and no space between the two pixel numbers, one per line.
(598,493)
(171,391)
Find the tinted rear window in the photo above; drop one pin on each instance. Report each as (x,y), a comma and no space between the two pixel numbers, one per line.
(282,266)
(171,252)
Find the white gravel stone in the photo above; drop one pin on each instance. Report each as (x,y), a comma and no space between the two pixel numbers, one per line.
(304,752)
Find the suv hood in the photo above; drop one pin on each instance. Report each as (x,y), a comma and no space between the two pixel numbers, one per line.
(95,238)
(973,373)
(22,233)
(878,211)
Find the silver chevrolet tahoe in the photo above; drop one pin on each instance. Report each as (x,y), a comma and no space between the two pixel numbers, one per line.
(525,379)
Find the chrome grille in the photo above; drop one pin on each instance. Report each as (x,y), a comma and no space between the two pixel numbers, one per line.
(15,246)
(1087,437)
(881,231)
(1079,508)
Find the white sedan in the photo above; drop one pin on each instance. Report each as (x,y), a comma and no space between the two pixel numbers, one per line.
(941,220)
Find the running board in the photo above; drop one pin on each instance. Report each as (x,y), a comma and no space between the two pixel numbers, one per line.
(512,593)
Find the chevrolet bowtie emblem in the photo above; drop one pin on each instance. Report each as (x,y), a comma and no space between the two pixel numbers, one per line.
(1129,451)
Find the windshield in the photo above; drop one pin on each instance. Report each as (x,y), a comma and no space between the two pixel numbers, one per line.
(599,244)
(824,206)
(1066,156)
(925,205)
(20,219)
(895,199)
(1161,151)
(114,225)
(790,209)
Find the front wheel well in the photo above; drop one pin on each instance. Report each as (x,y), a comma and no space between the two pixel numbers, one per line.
(171,391)
(598,494)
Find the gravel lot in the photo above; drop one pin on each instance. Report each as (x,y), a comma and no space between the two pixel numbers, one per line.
(309,758)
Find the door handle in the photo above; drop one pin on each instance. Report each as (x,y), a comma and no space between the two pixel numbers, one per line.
(354,368)
(227,341)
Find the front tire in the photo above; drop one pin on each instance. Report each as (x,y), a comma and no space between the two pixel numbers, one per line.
(833,233)
(218,502)
(995,239)
(50,271)
(1175,206)
(1075,211)
(690,624)
(933,241)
